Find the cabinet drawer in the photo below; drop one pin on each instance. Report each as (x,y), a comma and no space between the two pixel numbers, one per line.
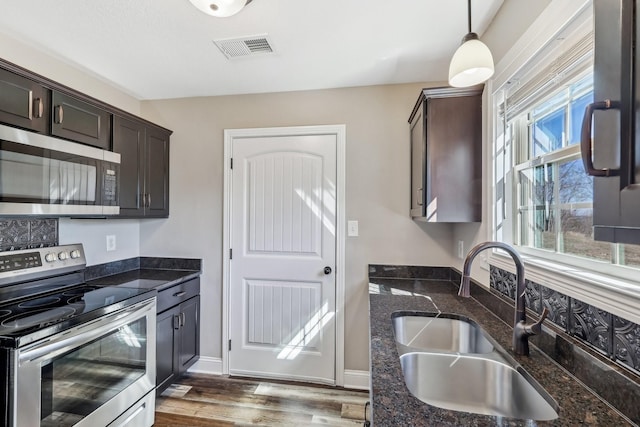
(177,294)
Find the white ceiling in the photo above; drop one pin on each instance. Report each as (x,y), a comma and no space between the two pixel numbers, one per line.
(155,49)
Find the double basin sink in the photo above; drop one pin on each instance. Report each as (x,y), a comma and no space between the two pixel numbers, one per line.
(448,361)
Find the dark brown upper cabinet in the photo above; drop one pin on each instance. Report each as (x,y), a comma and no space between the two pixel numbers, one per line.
(36,103)
(23,102)
(446,155)
(80,121)
(144,168)
(156,163)
(613,157)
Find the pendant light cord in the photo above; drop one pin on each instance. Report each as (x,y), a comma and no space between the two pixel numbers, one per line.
(469,14)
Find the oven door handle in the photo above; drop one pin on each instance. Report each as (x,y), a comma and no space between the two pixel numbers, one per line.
(59,344)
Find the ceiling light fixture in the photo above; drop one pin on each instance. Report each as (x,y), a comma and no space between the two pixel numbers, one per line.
(220,8)
(472,63)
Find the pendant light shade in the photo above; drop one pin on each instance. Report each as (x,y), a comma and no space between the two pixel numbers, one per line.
(472,63)
(220,8)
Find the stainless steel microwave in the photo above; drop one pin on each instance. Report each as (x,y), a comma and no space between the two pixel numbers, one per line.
(42,175)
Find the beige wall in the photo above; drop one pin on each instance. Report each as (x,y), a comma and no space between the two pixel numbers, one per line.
(511,21)
(377,189)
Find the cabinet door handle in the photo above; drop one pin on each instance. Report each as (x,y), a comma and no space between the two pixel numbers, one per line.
(38,107)
(59,114)
(149,200)
(585,138)
(176,322)
(179,294)
(419,196)
(183,319)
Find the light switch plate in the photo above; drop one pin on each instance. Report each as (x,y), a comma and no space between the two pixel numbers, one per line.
(352,228)
(461,249)
(111,242)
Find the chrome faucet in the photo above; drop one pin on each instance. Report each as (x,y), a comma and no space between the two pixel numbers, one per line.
(521,331)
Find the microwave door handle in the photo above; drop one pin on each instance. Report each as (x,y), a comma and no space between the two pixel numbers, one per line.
(586,143)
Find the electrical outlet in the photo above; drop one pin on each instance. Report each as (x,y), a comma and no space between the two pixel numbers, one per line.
(111,242)
(461,249)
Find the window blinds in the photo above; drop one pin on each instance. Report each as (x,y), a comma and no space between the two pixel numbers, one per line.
(565,68)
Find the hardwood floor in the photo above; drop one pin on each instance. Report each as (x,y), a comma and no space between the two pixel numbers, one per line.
(212,401)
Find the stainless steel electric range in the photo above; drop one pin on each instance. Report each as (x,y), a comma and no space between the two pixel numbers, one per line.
(72,353)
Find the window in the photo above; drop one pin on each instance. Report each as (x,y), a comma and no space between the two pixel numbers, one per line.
(550,208)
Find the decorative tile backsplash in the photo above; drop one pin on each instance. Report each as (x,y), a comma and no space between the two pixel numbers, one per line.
(27,233)
(626,341)
(614,337)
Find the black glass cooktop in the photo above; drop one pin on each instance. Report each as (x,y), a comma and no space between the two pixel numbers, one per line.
(27,316)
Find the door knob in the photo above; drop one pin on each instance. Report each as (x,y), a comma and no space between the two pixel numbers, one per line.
(327,270)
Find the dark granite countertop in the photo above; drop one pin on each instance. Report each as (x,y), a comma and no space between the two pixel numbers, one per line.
(144,272)
(157,279)
(394,405)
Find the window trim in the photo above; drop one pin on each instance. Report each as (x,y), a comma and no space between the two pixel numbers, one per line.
(618,296)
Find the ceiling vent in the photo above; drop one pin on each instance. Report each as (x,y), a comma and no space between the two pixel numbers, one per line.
(244,46)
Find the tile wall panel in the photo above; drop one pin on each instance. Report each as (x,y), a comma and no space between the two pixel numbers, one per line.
(558,306)
(591,324)
(626,337)
(614,337)
(27,233)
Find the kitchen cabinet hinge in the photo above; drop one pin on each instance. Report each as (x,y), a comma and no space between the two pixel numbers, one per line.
(229,345)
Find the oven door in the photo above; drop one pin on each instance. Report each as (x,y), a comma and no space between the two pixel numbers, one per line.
(91,374)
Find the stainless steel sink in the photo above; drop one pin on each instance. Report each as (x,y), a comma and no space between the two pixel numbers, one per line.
(476,384)
(444,333)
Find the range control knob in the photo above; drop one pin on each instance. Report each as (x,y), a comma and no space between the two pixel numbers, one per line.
(74,254)
(62,256)
(51,257)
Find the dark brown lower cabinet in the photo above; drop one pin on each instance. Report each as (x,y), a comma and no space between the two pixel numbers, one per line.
(177,332)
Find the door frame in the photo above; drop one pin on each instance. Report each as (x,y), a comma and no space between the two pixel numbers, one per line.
(340,132)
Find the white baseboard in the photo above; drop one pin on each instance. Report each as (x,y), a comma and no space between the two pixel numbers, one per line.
(207,365)
(358,380)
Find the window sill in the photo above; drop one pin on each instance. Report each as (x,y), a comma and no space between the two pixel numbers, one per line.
(614,295)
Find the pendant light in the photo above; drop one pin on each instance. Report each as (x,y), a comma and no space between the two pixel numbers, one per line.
(220,8)
(472,63)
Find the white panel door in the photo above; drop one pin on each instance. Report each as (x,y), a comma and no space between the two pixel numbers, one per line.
(282,282)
